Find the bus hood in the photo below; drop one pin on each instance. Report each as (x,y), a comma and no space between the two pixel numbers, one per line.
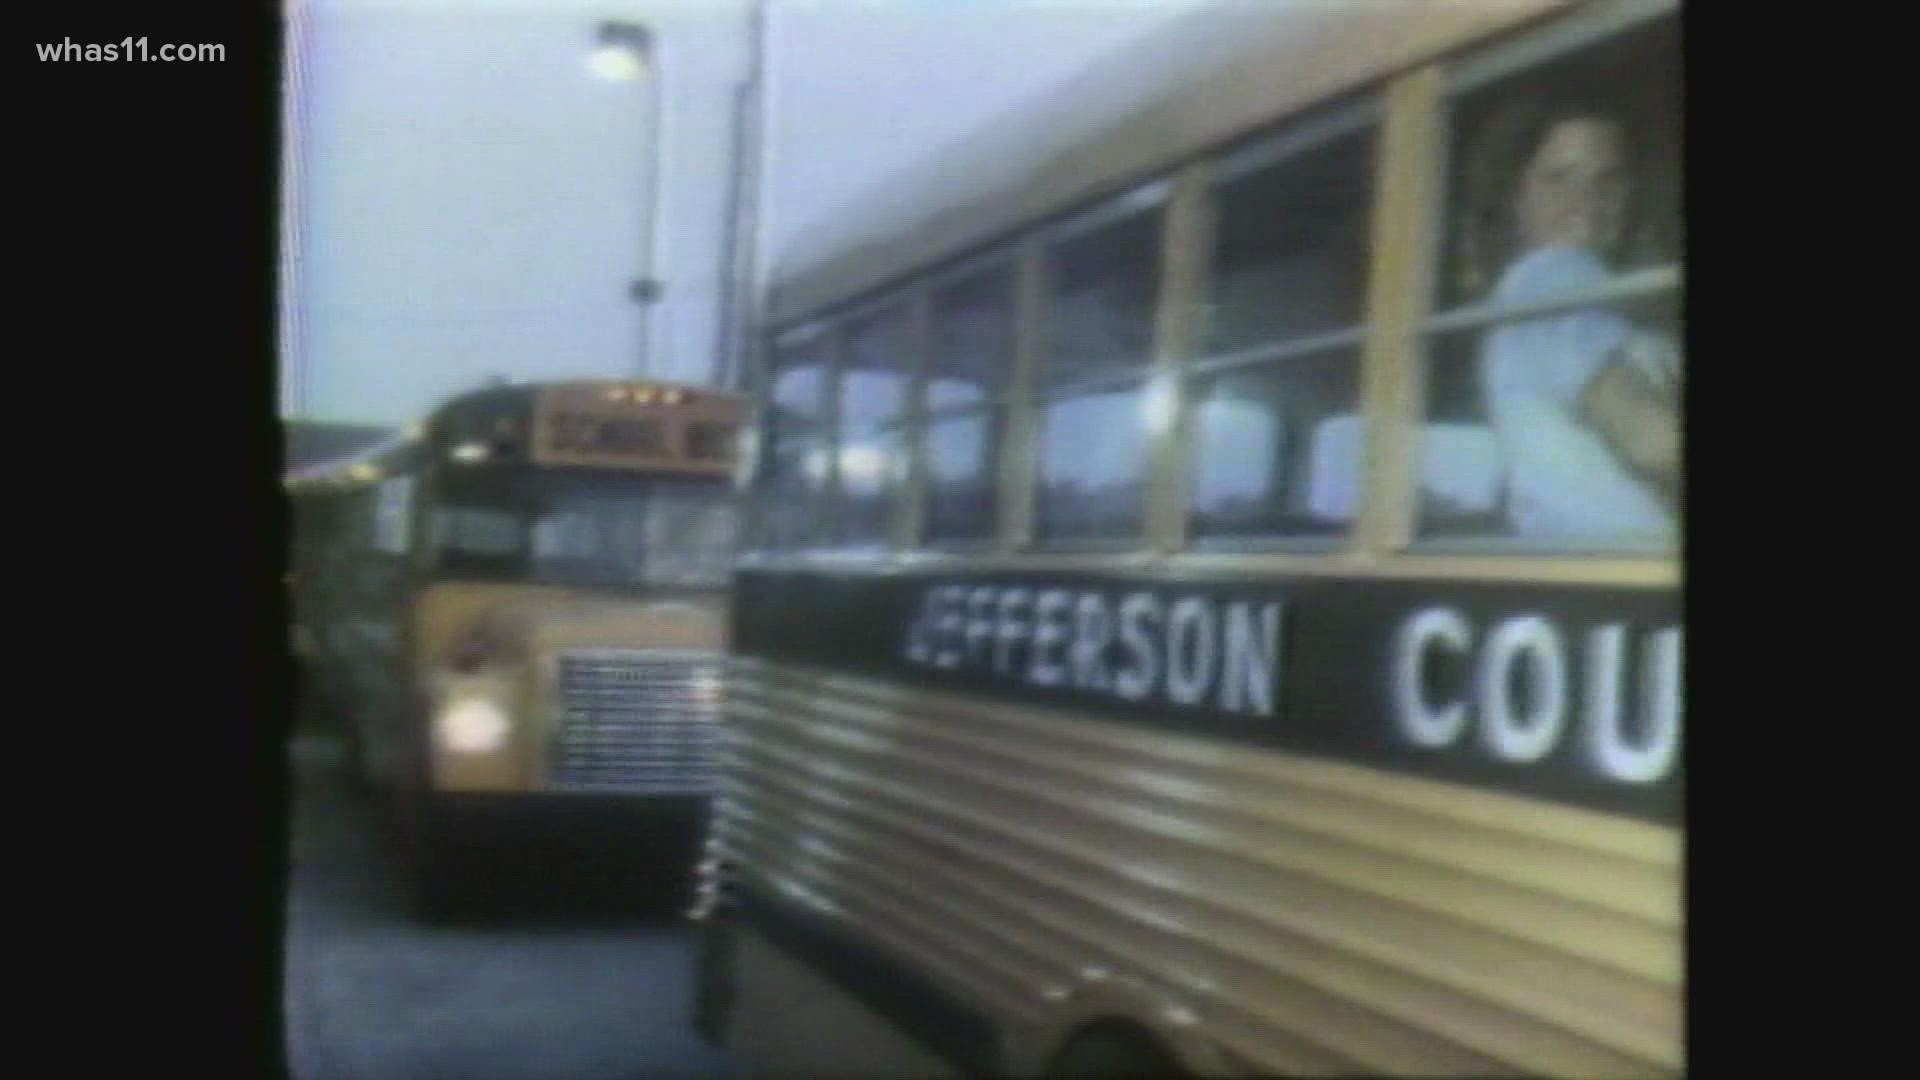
(471,625)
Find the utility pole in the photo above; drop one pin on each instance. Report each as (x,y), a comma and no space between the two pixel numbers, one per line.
(740,277)
(628,52)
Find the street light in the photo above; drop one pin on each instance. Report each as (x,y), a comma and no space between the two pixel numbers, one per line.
(625,52)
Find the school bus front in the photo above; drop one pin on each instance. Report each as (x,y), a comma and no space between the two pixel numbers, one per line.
(558,651)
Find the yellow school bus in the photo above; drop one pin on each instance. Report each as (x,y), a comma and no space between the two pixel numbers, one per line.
(1211,604)
(519,610)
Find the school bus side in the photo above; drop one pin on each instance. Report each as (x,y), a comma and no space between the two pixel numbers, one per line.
(1207,787)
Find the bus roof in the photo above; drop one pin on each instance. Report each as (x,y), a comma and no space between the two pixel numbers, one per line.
(376,462)
(310,442)
(1218,73)
(357,468)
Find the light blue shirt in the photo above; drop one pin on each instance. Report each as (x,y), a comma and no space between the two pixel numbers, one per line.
(1564,482)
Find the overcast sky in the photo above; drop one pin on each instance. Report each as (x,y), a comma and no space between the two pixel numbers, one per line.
(471,201)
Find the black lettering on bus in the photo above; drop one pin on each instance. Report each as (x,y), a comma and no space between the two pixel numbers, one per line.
(1093,632)
(1011,629)
(1252,660)
(644,438)
(570,432)
(1137,680)
(952,616)
(1529,651)
(1050,636)
(1609,749)
(1424,723)
(1528,646)
(926,634)
(1192,650)
(710,442)
(980,624)
(919,648)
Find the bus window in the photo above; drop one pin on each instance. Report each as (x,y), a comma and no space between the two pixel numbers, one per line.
(623,530)
(392,515)
(794,467)
(1555,359)
(972,351)
(479,531)
(1099,331)
(587,542)
(689,537)
(1272,456)
(873,398)
(478,538)
(566,534)
(1268,460)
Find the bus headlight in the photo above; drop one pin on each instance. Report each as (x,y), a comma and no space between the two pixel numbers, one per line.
(473,725)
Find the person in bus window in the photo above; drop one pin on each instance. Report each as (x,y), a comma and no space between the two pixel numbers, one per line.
(1583,402)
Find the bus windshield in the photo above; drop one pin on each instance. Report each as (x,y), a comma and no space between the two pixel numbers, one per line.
(549,528)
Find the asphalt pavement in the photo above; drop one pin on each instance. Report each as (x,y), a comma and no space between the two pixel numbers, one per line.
(548,983)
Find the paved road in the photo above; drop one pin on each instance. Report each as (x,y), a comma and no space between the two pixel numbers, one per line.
(550,994)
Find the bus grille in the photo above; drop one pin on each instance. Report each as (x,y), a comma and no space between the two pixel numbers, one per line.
(637,721)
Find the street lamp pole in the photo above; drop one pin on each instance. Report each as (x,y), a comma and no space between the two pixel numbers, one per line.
(741,227)
(628,52)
